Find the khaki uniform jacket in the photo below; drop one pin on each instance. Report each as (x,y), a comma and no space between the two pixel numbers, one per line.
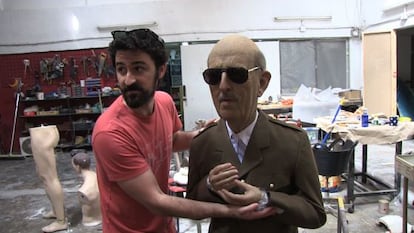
(278,158)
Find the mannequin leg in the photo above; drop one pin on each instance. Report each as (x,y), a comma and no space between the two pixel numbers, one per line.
(43,141)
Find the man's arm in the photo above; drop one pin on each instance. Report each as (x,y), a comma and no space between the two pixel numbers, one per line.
(182,139)
(145,190)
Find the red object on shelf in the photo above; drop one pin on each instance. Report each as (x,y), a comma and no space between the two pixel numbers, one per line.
(29,114)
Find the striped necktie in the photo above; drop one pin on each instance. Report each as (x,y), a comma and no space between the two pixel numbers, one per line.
(240,147)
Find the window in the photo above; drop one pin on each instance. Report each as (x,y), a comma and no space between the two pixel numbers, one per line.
(313,63)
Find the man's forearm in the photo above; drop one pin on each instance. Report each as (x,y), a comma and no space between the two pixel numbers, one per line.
(182,140)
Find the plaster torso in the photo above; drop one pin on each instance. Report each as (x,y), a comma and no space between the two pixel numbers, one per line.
(88,195)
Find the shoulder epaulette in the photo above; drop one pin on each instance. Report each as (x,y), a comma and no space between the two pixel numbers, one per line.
(213,124)
(282,123)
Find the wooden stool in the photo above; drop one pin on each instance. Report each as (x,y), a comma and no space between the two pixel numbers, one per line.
(404,164)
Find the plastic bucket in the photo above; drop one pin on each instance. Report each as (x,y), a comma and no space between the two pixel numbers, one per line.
(333,160)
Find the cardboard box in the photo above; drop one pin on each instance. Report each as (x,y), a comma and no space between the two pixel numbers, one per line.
(354,95)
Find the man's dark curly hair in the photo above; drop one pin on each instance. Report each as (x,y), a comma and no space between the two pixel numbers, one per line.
(139,39)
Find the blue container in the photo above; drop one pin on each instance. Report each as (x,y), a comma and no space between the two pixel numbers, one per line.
(364,119)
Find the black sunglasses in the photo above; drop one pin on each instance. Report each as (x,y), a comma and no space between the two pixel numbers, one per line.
(239,75)
(139,33)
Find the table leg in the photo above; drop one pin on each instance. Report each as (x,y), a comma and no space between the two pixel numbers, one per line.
(350,181)
(397,176)
(364,163)
(404,206)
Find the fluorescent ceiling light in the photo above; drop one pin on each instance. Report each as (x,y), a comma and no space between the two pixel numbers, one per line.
(291,18)
(111,27)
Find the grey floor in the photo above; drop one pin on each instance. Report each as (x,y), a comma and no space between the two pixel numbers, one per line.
(22,198)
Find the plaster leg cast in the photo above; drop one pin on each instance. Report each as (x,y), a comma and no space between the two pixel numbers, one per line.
(43,141)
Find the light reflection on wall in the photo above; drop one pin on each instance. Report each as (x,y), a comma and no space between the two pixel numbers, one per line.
(75,23)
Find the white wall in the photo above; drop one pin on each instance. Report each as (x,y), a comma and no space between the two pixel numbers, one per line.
(50,25)
(44,25)
(198,104)
(355,64)
(386,15)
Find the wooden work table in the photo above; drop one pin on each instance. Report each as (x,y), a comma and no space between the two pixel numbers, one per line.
(346,128)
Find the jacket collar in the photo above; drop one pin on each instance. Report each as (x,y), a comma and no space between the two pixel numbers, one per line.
(259,140)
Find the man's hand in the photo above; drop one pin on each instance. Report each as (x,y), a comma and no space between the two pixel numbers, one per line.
(223,176)
(251,194)
(202,124)
(250,212)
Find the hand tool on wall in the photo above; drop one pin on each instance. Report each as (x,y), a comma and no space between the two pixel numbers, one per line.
(44,70)
(58,65)
(17,84)
(84,61)
(26,63)
(73,69)
(94,61)
(52,68)
(101,63)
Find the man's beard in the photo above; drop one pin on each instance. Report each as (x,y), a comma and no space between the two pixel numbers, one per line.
(136,96)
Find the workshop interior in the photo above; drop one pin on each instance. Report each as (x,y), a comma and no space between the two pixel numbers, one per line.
(342,70)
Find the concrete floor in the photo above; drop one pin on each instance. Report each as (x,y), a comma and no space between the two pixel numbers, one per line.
(22,197)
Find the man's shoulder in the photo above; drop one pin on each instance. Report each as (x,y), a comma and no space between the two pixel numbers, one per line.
(283,124)
(162,95)
(210,128)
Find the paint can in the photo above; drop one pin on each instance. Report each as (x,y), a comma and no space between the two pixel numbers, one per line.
(383,206)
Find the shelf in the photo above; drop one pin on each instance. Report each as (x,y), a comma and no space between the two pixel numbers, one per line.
(178,95)
(63,115)
(67,98)
(73,116)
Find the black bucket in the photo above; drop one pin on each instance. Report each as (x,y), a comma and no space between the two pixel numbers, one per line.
(333,160)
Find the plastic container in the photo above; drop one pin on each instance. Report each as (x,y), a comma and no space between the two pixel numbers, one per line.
(364,118)
(313,134)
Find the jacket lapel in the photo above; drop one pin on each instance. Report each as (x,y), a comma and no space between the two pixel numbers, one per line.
(259,140)
(225,147)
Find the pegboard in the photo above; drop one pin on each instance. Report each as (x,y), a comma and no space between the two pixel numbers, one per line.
(12,66)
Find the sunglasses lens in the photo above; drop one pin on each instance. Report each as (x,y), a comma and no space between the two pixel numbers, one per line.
(138,33)
(212,76)
(237,75)
(118,34)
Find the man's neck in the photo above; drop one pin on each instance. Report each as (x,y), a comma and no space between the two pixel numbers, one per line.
(237,127)
(145,110)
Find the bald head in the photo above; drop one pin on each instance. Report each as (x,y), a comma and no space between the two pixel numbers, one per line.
(83,160)
(234,92)
(234,47)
